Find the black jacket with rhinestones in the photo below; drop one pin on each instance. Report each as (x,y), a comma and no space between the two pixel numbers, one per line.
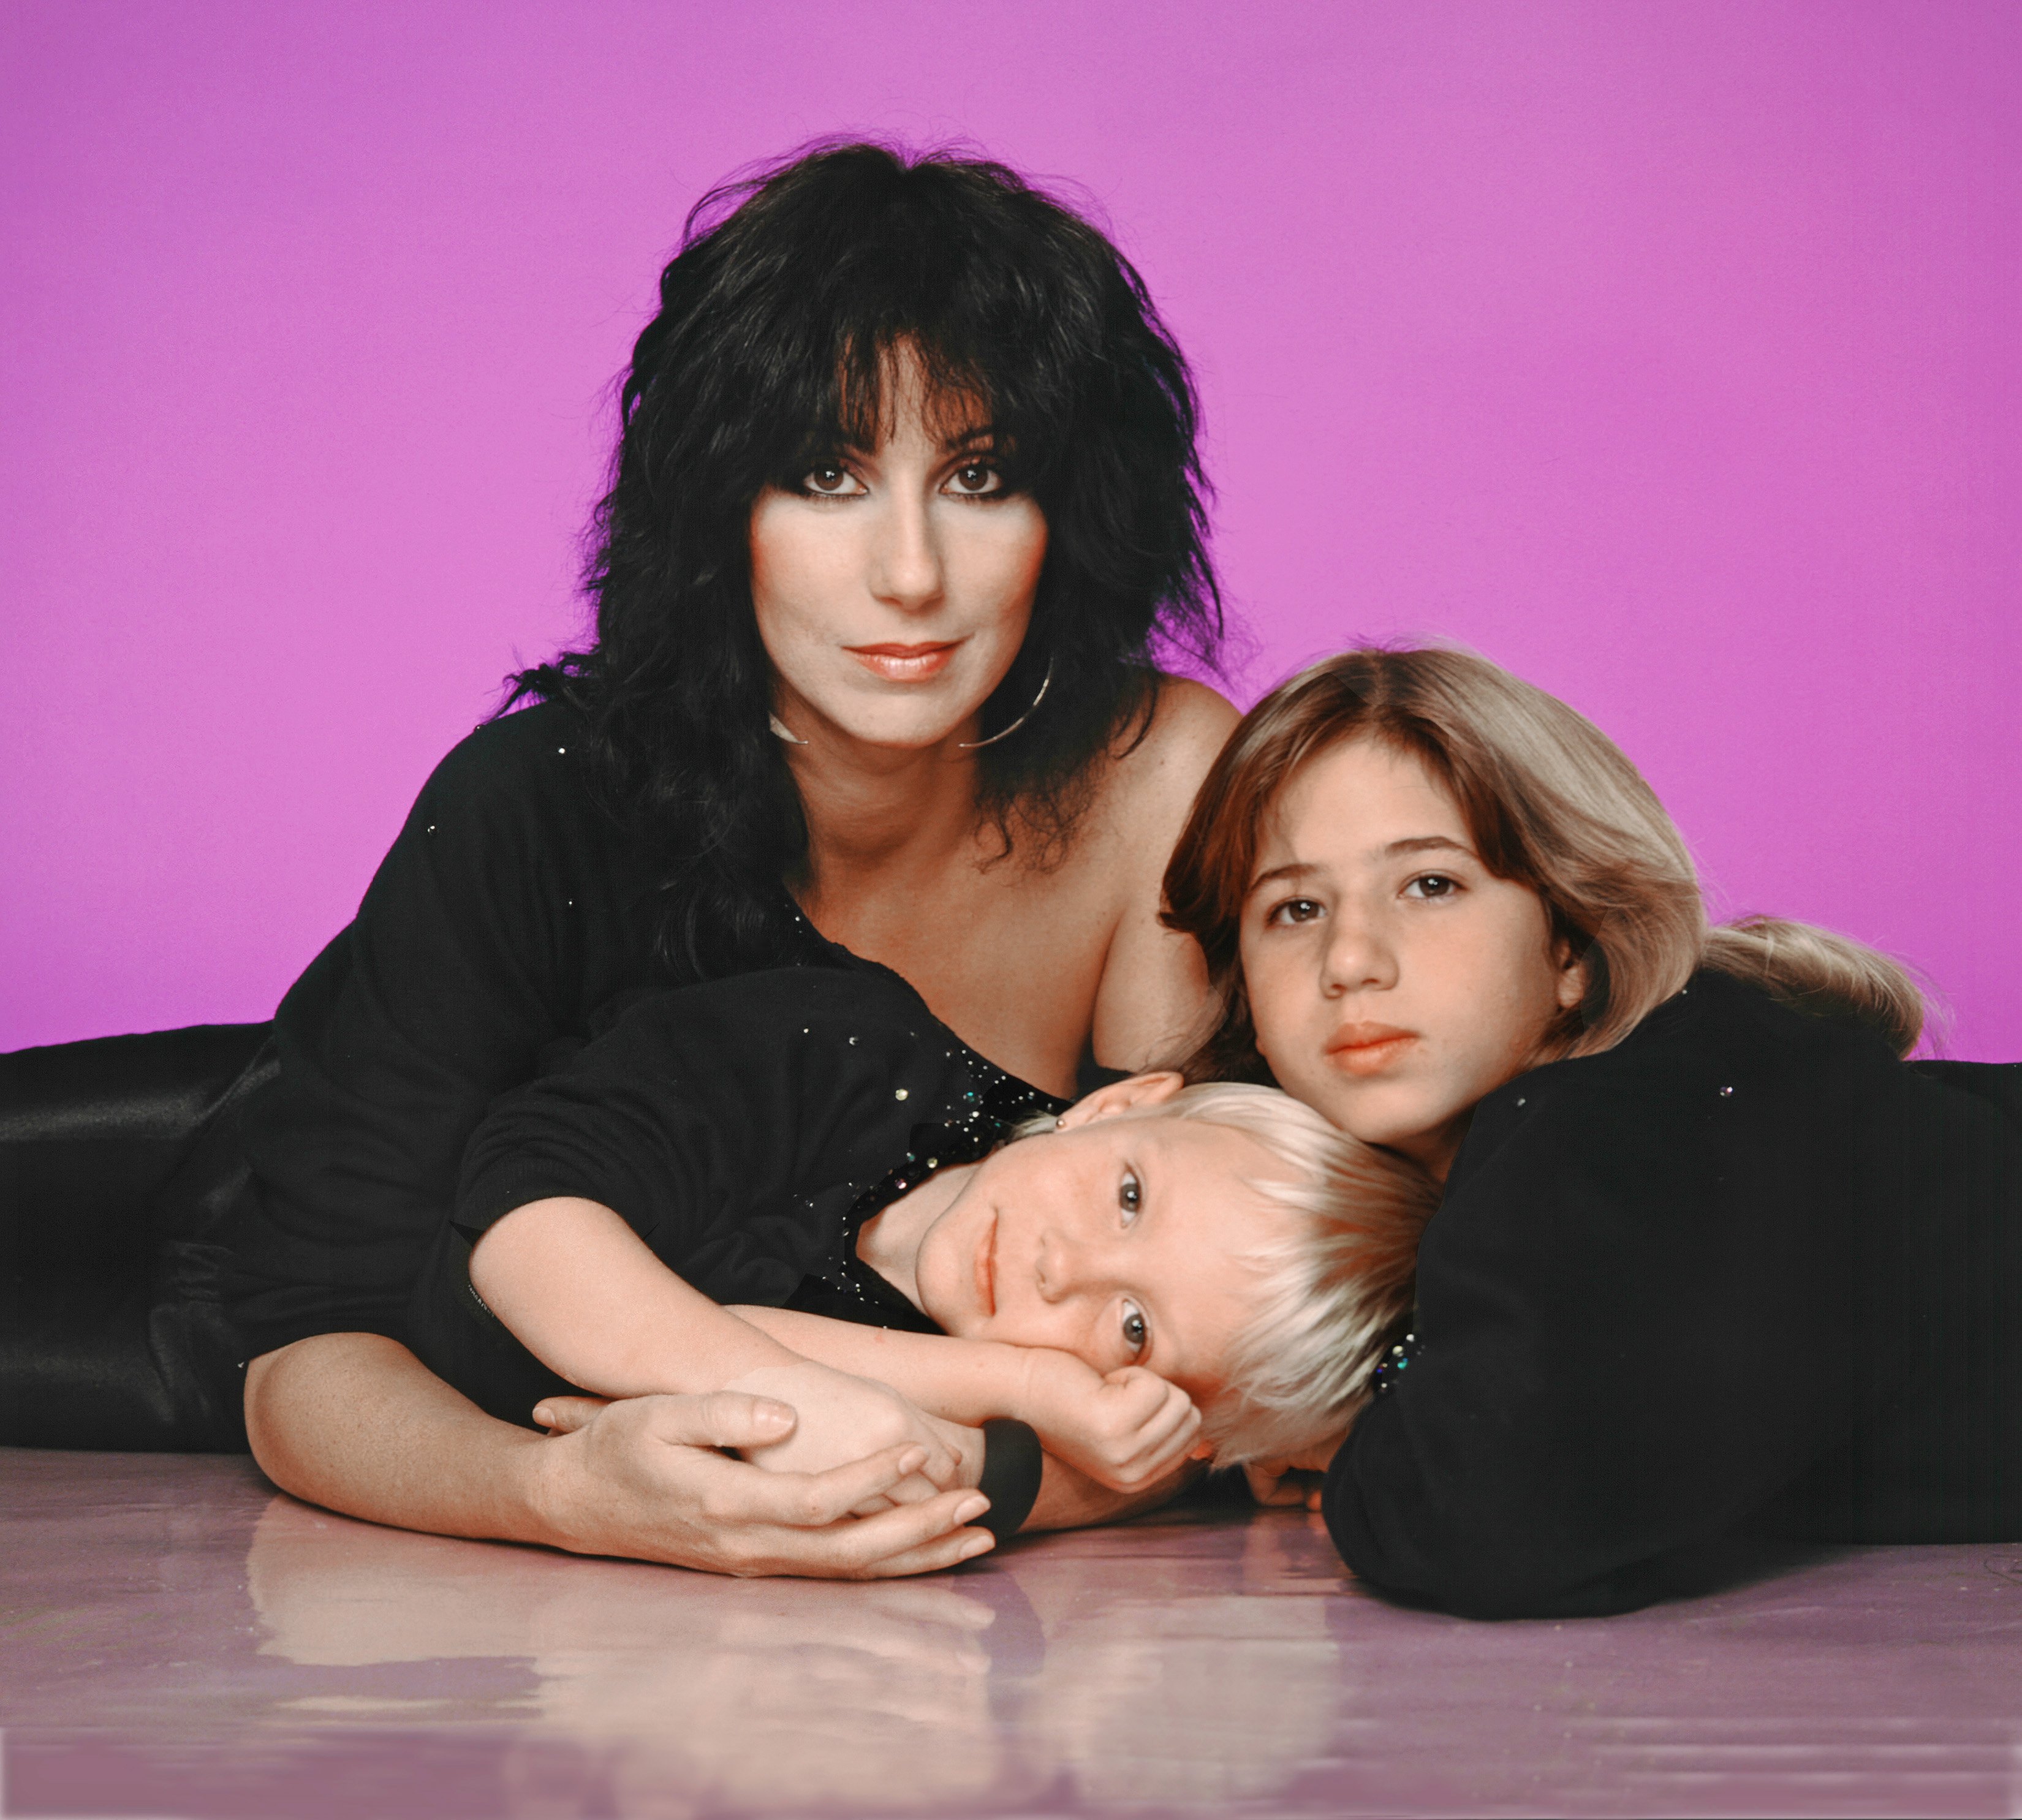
(1744,1275)
(745,1129)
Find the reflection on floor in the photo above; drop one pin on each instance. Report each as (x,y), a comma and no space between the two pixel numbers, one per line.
(175,1640)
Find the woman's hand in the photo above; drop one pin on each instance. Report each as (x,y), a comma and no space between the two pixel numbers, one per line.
(1126,1431)
(741,1518)
(843,1418)
(355,1423)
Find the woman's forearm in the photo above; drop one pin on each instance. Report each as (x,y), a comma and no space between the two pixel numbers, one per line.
(584,1293)
(355,1423)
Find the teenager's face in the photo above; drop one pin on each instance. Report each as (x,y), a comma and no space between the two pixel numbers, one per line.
(1113,1238)
(1393,980)
(893,585)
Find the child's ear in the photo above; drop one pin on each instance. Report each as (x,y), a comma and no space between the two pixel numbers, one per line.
(1140,1090)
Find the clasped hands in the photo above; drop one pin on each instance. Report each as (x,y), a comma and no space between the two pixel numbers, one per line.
(1125,1430)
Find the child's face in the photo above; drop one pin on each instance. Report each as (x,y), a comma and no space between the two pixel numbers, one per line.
(1393,979)
(1114,1239)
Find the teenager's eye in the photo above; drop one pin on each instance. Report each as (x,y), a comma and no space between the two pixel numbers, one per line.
(831,481)
(1432,885)
(1137,1331)
(1294,910)
(975,480)
(1130,1197)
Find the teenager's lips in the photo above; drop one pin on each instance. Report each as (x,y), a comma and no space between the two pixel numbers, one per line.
(1368,1048)
(905,663)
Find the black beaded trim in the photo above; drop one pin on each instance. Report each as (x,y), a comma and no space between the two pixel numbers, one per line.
(842,1285)
(1392,1366)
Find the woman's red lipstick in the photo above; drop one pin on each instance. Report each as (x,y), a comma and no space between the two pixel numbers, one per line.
(1368,1048)
(905,663)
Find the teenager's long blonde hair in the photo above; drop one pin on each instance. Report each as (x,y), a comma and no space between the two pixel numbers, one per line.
(1550,802)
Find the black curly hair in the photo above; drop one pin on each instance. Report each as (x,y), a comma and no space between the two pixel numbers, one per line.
(771,350)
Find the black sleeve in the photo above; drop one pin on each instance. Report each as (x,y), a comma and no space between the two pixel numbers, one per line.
(727,1124)
(701,1104)
(495,918)
(1633,1325)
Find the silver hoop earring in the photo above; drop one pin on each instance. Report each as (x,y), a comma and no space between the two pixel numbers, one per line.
(780,727)
(1046,683)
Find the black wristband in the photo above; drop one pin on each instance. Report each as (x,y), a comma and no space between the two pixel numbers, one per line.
(1012,1464)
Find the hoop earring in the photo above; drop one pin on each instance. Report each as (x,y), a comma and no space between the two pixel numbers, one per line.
(1046,683)
(780,727)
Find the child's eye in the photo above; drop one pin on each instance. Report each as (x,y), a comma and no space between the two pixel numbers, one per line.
(1294,910)
(1130,1196)
(1432,885)
(1137,1332)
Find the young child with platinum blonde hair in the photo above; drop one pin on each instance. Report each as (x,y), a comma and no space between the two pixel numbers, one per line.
(800,1183)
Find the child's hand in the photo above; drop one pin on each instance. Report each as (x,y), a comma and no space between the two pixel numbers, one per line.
(1292,1482)
(1126,1431)
(844,1418)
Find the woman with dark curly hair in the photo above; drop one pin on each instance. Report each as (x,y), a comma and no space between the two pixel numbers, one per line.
(905,511)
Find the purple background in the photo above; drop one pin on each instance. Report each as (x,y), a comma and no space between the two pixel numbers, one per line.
(1666,353)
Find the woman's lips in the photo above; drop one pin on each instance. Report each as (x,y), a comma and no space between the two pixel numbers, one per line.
(985,1268)
(903,663)
(1368,1048)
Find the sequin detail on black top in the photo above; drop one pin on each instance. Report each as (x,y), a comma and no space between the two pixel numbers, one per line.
(846,1288)
(1396,1361)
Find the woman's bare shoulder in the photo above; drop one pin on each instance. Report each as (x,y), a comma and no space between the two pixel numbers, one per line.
(1155,780)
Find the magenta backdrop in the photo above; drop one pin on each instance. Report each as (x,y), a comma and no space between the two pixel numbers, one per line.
(1666,353)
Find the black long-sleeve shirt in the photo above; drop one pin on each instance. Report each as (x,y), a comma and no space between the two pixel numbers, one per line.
(1745,1272)
(511,910)
(744,1129)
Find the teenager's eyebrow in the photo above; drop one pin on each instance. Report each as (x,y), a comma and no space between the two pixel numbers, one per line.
(1294,870)
(1280,874)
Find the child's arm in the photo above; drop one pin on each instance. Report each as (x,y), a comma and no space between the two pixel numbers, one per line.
(1127,1431)
(583,1292)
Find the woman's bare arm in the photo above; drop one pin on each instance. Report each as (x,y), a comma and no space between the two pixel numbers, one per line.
(355,1423)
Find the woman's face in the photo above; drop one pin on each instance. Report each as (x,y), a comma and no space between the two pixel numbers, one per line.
(893,585)
(1113,1238)
(1393,979)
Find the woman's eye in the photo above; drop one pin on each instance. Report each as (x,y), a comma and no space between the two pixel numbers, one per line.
(1429,884)
(830,479)
(1294,910)
(1129,1196)
(976,480)
(1136,1333)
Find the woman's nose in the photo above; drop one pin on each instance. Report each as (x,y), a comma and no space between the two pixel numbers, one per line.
(906,562)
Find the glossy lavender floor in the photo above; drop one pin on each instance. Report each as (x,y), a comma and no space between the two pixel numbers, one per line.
(176,1639)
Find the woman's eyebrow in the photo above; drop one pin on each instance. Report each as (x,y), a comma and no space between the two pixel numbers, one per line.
(1428,844)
